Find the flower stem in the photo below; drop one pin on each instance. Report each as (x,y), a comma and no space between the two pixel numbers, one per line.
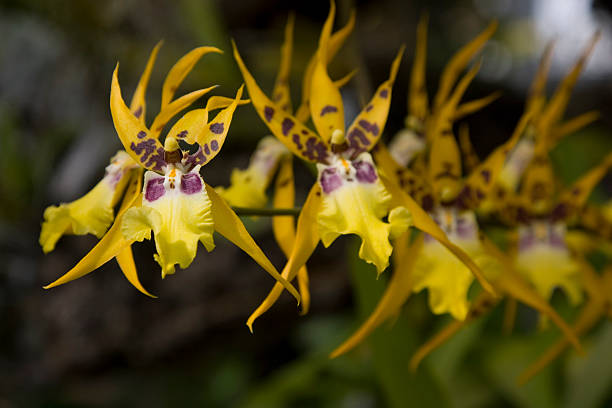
(266,212)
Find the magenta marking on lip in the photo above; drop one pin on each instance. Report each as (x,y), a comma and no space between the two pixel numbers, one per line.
(191,183)
(214,145)
(154,189)
(330,180)
(365,172)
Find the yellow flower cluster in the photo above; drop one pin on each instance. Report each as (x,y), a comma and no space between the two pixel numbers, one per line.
(425,179)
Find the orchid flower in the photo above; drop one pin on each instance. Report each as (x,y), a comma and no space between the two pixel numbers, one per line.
(173,202)
(349,196)
(451,201)
(409,143)
(542,258)
(248,186)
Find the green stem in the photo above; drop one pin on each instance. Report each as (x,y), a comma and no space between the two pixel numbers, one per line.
(266,212)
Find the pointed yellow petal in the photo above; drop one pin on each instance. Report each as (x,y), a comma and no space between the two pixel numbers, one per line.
(417,98)
(424,222)
(326,107)
(281,93)
(397,292)
(339,83)
(575,197)
(470,158)
(220,102)
(180,70)
(307,238)
(470,107)
(335,43)
(284,197)
(558,102)
(138,104)
(229,225)
(459,61)
(216,130)
(135,137)
(291,132)
(125,260)
(573,125)
(111,244)
(284,226)
(444,156)
(175,107)
(537,91)
(366,129)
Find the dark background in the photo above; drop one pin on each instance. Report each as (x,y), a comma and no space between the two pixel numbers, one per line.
(98,342)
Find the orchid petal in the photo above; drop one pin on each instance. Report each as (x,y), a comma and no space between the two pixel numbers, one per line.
(336,41)
(576,195)
(537,90)
(458,62)
(306,240)
(138,104)
(179,71)
(470,107)
(397,292)
(558,102)
(92,213)
(417,97)
(469,157)
(290,131)
(144,148)
(284,226)
(111,244)
(248,186)
(281,93)
(573,125)
(178,210)
(175,107)
(366,129)
(229,225)
(326,107)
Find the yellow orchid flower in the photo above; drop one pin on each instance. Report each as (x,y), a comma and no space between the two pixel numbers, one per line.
(450,200)
(349,197)
(174,202)
(409,142)
(543,256)
(92,213)
(248,186)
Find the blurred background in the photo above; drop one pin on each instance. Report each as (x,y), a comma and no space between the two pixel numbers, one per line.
(98,342)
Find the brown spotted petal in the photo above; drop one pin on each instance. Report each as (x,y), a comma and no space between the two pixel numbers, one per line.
(134,135)
(300,140)
(367,128)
